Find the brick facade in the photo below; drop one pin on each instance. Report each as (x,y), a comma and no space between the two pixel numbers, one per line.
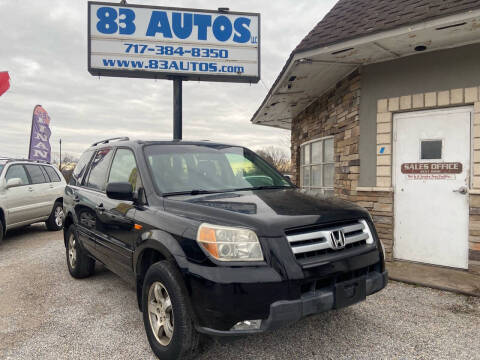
(336,114)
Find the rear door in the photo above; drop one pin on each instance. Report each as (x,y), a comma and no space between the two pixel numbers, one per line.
(77,199)
(56,186)
(39,183)
(93,193)
(116,219)
(19,200)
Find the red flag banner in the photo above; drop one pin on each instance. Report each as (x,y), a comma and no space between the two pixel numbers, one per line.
(4,82)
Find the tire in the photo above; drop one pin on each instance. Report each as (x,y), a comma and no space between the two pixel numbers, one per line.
(184,340)
(55,220)
(80,265)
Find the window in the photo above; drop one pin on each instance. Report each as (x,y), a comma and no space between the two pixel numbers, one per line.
(52,174)
(431,150)
(36,174)
(17,171)
(184,168)
(124,169)
(317,166)
(97,177)
(79,171)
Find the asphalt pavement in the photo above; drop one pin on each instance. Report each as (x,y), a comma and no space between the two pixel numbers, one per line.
(46,314)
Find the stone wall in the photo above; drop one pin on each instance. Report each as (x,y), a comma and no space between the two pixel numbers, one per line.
(336,114)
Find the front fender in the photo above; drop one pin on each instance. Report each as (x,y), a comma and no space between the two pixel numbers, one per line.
(162,242)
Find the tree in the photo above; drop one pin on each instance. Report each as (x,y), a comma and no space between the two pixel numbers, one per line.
(277,157)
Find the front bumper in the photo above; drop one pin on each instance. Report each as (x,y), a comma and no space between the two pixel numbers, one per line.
(285,312)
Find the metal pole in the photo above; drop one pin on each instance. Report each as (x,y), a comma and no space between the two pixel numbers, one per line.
(60,162)
(177,109)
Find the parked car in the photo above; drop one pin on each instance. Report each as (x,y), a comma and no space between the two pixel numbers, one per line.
(208,252)
(30,192)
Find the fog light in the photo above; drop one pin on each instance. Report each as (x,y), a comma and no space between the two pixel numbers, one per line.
(247,325)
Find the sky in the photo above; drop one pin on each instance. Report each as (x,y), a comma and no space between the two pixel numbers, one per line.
(44,48)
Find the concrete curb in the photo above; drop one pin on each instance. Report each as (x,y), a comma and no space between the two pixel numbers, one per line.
(433,286)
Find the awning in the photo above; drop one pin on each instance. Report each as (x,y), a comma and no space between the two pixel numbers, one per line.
(307,75)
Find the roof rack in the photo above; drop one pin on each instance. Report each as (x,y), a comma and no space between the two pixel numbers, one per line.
(106,141)
(9,159)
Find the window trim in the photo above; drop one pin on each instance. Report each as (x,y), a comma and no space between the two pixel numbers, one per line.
(322,164)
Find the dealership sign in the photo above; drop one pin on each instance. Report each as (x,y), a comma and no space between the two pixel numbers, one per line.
(162,43)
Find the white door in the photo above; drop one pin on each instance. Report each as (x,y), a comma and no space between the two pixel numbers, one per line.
(431,180)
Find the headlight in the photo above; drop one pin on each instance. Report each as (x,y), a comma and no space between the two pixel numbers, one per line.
(229,243)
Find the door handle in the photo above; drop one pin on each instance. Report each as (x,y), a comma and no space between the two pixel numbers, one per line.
(30,189)
(462,190)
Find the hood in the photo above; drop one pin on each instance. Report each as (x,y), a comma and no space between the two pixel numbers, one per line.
(269,212)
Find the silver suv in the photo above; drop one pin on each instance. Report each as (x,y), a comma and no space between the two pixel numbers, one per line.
(30,192)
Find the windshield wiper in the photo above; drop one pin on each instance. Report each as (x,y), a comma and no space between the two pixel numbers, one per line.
(265,187)
(191,192)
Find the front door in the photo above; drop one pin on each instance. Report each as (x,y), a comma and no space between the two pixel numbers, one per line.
(431,181)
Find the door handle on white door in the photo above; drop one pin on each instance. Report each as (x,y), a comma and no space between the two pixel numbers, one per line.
(462,190)
(30,189)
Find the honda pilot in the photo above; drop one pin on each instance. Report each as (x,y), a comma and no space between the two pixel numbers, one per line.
(215,240)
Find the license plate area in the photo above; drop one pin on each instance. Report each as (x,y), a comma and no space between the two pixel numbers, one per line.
(350,292)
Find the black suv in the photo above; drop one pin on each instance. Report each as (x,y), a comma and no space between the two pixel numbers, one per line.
(215,240)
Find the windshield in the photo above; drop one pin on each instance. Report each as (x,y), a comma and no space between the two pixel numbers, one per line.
(192,168)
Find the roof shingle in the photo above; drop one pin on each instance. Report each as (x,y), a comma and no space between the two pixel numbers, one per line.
(349,19)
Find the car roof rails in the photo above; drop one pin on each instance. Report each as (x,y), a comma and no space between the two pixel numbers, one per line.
(9,159)
(106,141)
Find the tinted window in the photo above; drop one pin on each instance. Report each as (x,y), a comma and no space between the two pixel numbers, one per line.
(81,167)
(52,174)
(17,171)
(97,178)
(124,169)
(36,174)
(431,149)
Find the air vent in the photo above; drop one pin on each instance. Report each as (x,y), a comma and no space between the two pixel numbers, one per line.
(451,26)
(341,51)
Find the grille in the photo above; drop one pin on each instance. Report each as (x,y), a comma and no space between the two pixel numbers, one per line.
(319,242)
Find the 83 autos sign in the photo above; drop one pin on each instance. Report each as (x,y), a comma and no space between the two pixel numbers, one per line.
(161,42)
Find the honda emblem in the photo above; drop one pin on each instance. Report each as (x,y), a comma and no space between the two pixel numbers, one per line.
(337,238)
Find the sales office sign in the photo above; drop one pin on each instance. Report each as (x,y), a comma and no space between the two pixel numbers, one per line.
(432,171)
(162,42)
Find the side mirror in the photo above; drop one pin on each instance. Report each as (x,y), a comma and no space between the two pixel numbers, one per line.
(120,191)
(288,177)
(14,182)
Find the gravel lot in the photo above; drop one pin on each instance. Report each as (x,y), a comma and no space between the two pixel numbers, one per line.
(46,314)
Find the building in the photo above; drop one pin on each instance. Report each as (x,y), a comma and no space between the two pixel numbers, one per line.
(382,100)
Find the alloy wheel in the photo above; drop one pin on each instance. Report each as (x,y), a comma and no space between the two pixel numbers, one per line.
(72,251)
(58,214)
(160,313)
